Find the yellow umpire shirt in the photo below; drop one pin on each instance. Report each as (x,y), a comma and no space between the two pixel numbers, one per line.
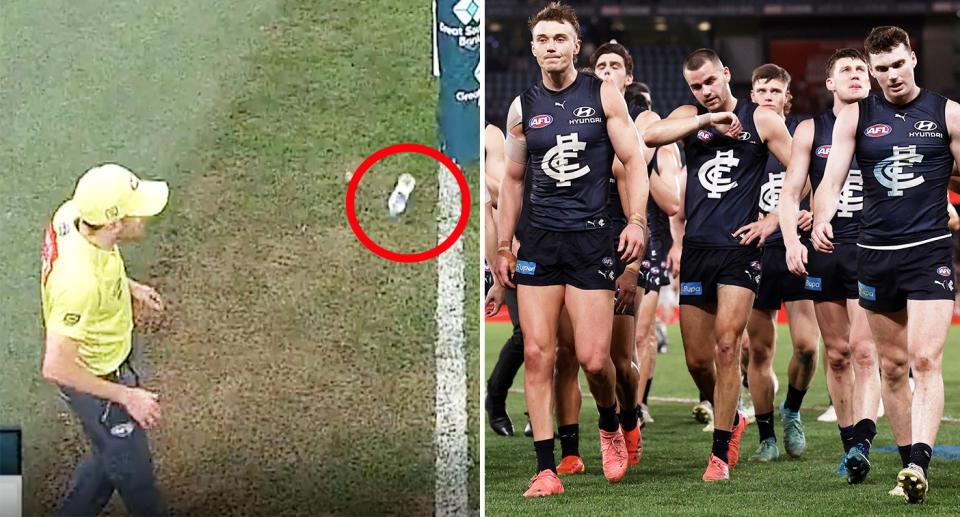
(86,294)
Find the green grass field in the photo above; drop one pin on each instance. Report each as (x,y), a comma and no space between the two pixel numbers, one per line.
(667,479)
(296,368)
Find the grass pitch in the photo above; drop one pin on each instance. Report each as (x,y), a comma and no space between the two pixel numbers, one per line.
(296,369)
(667,479)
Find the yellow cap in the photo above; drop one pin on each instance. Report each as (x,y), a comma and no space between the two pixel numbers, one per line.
(110,192)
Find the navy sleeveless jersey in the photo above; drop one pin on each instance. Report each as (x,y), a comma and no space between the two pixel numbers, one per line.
(775,173)
(846,222)
(723,181)
(904,155)
(569,156)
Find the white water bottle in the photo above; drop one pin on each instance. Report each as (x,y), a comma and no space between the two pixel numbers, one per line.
(398,198)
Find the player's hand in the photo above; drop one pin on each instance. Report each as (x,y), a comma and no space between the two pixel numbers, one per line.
(796,258)
(633,242)
(727,123)
(758,230)
(673,259)
(504,270)
(146,295)
(626,291)
(142,406)
(821,237)
(805,220)
(494,299)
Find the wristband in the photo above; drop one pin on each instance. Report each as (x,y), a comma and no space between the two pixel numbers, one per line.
(503,248)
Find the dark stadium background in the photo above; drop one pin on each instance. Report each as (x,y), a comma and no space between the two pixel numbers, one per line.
(798,36)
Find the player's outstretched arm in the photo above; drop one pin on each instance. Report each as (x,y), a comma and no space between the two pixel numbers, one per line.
(684,120)
(795,180)
(838,166)
(629,149)
(511,194)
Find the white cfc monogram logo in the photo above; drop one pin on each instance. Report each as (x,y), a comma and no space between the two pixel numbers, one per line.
(712,171)
(770,191)
(557,161)
(851,197)
(889,172)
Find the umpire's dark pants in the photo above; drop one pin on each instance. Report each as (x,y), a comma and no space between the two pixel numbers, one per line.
(119,458)
(511,356)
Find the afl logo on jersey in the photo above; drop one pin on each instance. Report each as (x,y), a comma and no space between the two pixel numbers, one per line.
(584,111)
(823,151)
(704,135)
(943,271)
(877,130)
(540,121)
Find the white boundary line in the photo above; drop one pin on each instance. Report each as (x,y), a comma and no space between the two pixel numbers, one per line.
(451,399)
(675,400)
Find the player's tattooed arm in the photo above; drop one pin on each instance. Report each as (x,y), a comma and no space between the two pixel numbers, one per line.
(511,194)
(629,149)
(494,161)
(684,120)
(796,178)
(838,166)
(663,184)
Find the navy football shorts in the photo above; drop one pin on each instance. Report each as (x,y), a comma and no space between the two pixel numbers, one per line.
(832,277)
(778,284)
(888,278)
(702,270)
(582,259)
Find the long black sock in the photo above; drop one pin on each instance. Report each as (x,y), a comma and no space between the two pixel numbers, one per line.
(545,459)
(846,435)
(863,432)
(608,418)
(721,444)
(569,440)
(628,420)
(646,391)
(920,454)
(794,398)
(765,424)
(904,451)
(706,396)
